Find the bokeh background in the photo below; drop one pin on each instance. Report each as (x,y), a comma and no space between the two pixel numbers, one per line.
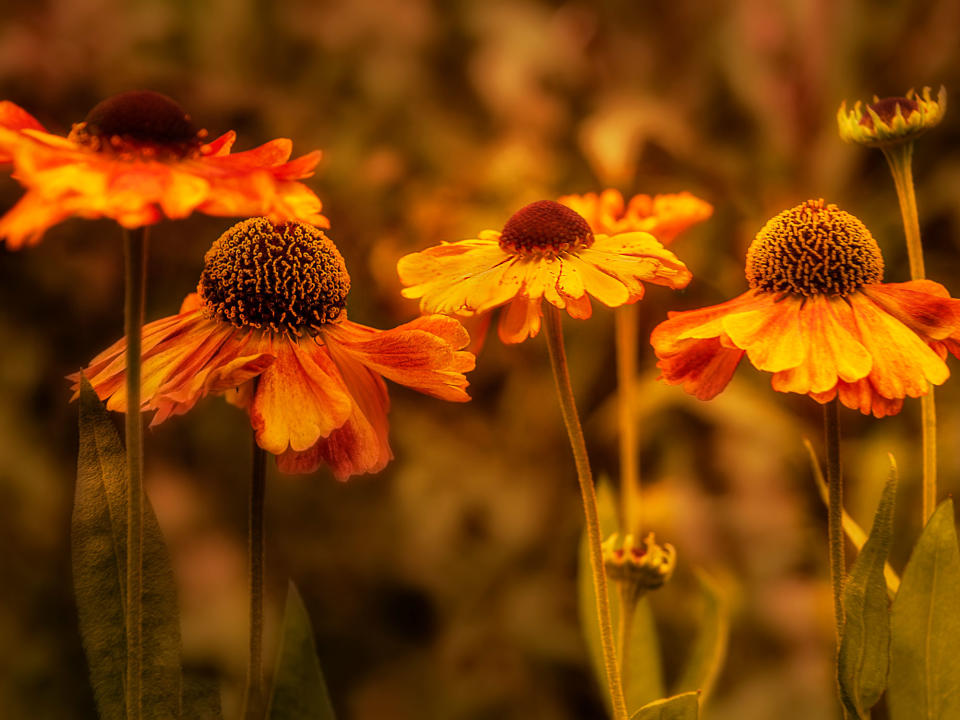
(444,587)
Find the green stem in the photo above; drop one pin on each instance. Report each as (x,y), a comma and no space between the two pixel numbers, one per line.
(135,269)
(254,696)
(626,319)
(900,159)
(628,611)
(568,408)
(831,432)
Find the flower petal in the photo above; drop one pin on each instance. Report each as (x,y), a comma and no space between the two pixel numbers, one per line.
(771,335)
(520,319)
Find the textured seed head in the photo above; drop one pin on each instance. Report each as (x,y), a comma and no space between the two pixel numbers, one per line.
(283,277)
(139,122)
(813,249)
(545,228)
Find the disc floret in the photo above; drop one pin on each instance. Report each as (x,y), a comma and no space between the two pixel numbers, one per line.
(140,124)
(286,277)
(814,249)
(545,228)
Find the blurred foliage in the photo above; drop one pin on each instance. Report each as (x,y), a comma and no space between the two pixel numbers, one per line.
(444,587)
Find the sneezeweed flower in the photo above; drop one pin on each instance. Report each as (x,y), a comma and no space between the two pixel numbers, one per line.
(268,328)
(891,120)
(137,158)
(643,566)
(546,251)
(818,317)
(663,216)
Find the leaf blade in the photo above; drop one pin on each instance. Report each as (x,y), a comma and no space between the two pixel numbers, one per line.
(709,650)
(685,706)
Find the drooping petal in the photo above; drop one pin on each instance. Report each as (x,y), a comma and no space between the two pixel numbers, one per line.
(520,319)
(771,335)
(922,305)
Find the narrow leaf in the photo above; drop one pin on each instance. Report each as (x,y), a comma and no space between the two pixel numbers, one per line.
(925,627)
(299,690)
(678,707)
(865,647)
(710,648)
(854,532)
(99,536)
(646,678)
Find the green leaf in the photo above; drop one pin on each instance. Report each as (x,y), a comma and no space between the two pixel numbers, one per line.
(865,647)
(710,648)
(678,707)
(925,627)
(646,677)
(299,690)
(99,536)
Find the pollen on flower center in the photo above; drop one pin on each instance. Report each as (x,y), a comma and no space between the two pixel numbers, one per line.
(545,228)
(886,110)
(285,277)
(813,249)
(140,122)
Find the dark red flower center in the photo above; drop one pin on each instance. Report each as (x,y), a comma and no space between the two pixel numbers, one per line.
(814,249)
(283,277)
(545,228)
(140,122)
(886,110)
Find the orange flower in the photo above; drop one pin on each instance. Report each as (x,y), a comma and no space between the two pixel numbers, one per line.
(137,158)
(268,329)
(545,251)
(663,216)
(819,318)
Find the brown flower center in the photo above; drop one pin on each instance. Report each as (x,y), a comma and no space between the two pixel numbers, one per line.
(545,228)
(813,249)
(886,110)
(283,277)
(142,123)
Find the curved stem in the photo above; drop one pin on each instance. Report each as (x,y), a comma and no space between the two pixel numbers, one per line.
(135,271)
(626,319)
(254,696)
(831,432)
(568,408)
(900,159)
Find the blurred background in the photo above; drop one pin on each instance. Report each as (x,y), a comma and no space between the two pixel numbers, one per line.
(444,587)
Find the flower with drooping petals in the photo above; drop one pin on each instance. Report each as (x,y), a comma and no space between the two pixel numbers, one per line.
(546,251)
(138,158)
(663,216)
(267,327)
(818,317)
(891,120)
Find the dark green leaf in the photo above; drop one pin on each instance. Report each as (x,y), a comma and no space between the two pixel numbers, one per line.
(299,690)
(865,648)
(646,678)
(99,533)
(924,679)
(678,707)
(710,648)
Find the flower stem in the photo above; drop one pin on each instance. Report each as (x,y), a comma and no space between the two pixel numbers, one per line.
(135,270)
(900,159)
(254,696)
(568,408)
(628,611)
(627,320)
(831,432)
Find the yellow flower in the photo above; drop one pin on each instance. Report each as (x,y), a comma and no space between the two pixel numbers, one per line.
(663,216)
(137,158)
(891,120)
(268,328)
(545,251)
(818,317)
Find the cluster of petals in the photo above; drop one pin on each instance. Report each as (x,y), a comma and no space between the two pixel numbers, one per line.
(472,277)
(312,400)
(66,179)
(871,348)
(663,216)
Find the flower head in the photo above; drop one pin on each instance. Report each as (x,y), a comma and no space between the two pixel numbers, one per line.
(891,120)
(818,317)
(138,157)
(268,328)
(644,566)
(663,216)
(545,251)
